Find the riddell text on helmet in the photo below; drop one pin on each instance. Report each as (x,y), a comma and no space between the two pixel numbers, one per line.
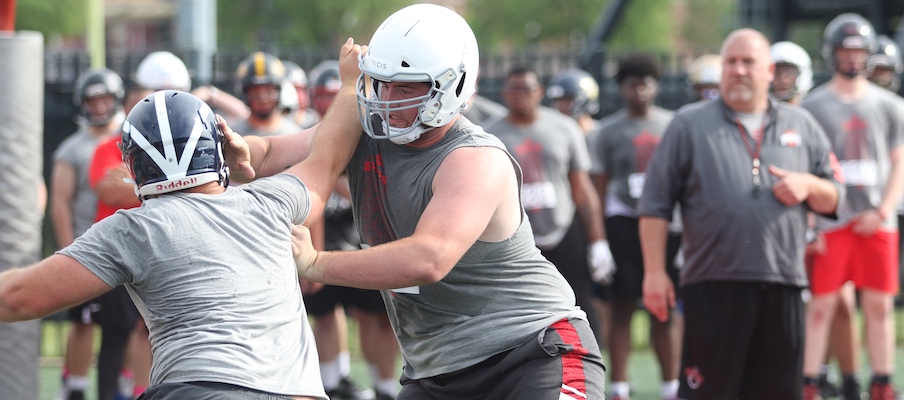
(184,182)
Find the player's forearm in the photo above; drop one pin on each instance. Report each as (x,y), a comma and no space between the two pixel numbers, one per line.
(823,195)
(62,224)
(653,239)
(895,185)
(589,208)
(401,263)
(13,307)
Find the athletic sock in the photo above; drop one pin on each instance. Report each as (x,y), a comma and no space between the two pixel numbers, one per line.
(79,383)
(330,374)
(345,364)
(622,389)
(811,381)
(138,391)
(386,386)
(669,389)
(880,379)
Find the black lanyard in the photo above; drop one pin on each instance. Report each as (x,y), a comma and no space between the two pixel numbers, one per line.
(754,150)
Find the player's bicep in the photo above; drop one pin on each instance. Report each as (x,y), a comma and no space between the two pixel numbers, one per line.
(468,189)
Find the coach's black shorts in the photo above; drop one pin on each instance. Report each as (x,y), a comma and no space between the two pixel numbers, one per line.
(116,309)
(205,391)
(560,362)
(624,242)
(743,340)
(325,300)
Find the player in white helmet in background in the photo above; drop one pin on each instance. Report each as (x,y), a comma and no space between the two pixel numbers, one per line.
(793,72)
(703,76)
(295,98)
(162,70)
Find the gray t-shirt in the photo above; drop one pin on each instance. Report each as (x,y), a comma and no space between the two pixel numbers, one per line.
(547,150)
(496,296)
(286,127)
(77,150)
(215,280)
(862,135)
(622,148)
(730,235)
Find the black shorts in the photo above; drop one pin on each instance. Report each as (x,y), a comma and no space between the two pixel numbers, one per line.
(624,242)
(561,361)
(325,300)
(743,340)
(113,309)
(205,391)
(116,310)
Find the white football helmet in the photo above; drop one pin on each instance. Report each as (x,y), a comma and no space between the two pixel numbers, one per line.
(419,43)
(162,70)
(791,53)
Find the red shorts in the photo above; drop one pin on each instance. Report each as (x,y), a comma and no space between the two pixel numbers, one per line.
(870,262)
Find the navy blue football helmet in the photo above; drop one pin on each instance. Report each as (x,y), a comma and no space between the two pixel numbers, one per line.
(171,141)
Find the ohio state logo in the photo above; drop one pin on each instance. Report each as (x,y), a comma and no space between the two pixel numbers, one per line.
(694,377)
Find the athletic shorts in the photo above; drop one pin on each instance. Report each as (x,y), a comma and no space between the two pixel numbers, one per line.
(560,362)
(116,310)
(570,258)
(742,340)
(205,391)
(870,262)
(624,242)
(83,313)
(325,300)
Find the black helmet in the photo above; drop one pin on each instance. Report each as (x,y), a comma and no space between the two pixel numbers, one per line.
(171,141)
(887,56)
(849,31)
(98,82)
(578,85)
(260,68)
(325,83)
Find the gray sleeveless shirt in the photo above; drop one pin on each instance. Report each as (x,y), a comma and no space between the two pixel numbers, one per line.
(498,294)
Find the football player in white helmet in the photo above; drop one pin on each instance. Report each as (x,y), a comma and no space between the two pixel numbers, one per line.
(793,72)
(438,203)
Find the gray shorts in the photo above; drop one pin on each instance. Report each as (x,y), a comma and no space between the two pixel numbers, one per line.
(560,362)
(205,391)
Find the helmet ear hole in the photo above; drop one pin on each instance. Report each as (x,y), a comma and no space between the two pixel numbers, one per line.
(461,84)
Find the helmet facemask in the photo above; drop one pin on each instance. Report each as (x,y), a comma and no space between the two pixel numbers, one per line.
(374,112)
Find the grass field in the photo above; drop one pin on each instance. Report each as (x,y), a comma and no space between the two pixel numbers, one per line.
(643,368)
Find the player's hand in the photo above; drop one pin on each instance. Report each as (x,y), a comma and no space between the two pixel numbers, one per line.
(236,151)
(792,188)
(303,249)
(599,259)
(118,176)
(866,223)
(658,294)
(349,57)
(817,245)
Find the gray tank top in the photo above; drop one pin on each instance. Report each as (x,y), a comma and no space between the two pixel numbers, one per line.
(498,294)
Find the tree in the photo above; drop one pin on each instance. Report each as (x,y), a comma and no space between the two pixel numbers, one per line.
(52,18)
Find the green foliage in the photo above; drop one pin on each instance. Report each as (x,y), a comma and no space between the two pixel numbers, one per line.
(52,18)
(645,25)
(518,23)
(293,23)
(709,21)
